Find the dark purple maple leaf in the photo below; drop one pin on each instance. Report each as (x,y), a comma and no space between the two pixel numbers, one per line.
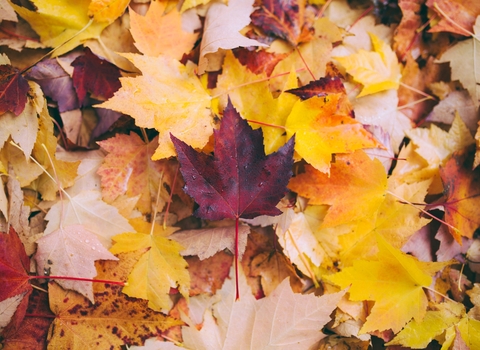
(13,90)
(239,181)
(95,75)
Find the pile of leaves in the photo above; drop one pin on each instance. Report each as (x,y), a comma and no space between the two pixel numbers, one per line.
(271,174)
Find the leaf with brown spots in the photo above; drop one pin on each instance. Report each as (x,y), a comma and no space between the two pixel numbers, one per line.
(114,320)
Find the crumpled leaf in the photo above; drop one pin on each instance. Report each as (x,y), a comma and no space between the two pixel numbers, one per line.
(320,131)
(394,280)
(206,242)
(354,189)
(95,75)
(71,251)
(462,12)
(157,100)
(114,319)
(13,90)
(161,33)
(462,194)
(222,29)
(377,70)
(463,58)
(158,269)
(282,19)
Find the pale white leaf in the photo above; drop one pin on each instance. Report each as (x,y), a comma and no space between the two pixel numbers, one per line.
(6,12)
(206,242)
(71,251)
(88,209)
(283,221)
(8,308)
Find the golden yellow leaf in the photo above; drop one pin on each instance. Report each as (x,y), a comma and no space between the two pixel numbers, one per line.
(57,21)
(159,33)
(168,97)
(160,267)
(107,10)
(320,131)
(377,70)
(394,280)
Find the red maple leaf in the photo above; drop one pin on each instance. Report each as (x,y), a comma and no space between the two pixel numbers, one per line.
(13,90)
(93,74)
(239,181)
(14,266)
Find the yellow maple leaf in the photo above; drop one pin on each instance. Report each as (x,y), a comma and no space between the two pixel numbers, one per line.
(57,21)
(107,10)
(160,268)
(320,132)
(377,70)
(394,280)
(440,324)
(251,96)
(168,97)
(159,33)
(188,4)
(394,221)
(354,190)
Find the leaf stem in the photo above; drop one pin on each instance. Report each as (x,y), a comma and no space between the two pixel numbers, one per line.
(266,124)
(237,291)
(305,63)
(454,23)
(417,91)
(170,198)
(77,279)
(438,293)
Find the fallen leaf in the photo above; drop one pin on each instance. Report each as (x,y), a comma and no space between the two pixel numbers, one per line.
(7,12)
(395,281)
(157,100)
(14,88)
(87,209)
(107,10)
(128,169)
(114,319)
(222,29)
(158,269)
(208,275)
(208,241)
(463,57)
(95,75)
(282,19)
(161,33)
(71,251)
(354,189)
(320,131)
(463,13)
(462,194)
(376,70)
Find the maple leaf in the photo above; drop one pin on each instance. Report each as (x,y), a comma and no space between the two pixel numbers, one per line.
(463,58)
(159,268)
(114,319)
(55,83)
(206,242)
(59,21)
(320,131)
(222,29)
(95,75)
(237,182)
(259,327)
(13,90)
(283,19)
(462,194)
(71,251)
(157,100)
(14,267)
(87,209)
(128,169)
(354,189)
(395,281)
(159,33)
(377,70)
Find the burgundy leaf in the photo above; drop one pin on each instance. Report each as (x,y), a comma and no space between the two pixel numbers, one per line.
(13,90)
(239,181)
(95,75)
(320,87)
(55,83)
